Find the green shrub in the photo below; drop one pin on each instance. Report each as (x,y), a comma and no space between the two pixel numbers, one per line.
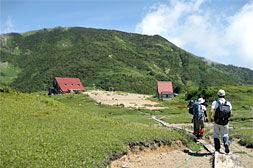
(7,89)
(78,92)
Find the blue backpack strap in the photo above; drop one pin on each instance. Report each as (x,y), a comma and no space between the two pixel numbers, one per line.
(218,103)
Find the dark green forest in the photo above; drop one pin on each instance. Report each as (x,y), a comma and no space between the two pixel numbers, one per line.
(108,58)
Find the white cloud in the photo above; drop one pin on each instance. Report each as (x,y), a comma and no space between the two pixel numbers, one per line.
(7,26)
(203,32)
(239,34)
(166,20)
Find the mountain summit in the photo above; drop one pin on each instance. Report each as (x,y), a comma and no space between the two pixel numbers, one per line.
(108,58)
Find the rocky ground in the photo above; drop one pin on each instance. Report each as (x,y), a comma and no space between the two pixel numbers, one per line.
(177,155)
(173,155)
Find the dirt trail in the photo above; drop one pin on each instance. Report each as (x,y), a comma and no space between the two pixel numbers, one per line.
(165,157)
(129,100)
(245,155)
(179,156)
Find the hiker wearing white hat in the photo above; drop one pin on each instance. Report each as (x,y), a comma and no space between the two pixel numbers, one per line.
(223,110)
(199,113)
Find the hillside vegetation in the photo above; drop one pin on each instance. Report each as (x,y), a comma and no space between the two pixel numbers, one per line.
(72,130)
(108,58)
(40,132)
(7,73)
(176,112)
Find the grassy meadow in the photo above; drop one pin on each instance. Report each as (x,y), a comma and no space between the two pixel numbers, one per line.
(72,130)
(37,131)
(241,98)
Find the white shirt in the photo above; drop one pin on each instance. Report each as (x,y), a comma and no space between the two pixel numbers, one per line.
(203,108)
(215,104)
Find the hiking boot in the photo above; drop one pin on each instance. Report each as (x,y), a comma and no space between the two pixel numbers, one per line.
(217,144)
(226,148)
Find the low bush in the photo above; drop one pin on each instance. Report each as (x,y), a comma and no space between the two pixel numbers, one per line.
(7,89)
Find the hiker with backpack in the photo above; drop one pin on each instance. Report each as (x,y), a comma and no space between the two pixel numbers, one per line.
(223,111)
(199,114)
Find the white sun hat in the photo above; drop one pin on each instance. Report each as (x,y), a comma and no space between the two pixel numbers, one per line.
(221,92)
(201,100)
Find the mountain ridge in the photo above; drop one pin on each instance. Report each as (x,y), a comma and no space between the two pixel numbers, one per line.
(109,58)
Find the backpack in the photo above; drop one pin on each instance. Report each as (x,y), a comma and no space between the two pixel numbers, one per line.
(197,110)
(222,114)
(190,107)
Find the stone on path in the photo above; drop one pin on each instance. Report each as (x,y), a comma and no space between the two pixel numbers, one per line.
(225,161)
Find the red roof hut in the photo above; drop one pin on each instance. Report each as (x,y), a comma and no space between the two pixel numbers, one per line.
(67,85)
(164,90)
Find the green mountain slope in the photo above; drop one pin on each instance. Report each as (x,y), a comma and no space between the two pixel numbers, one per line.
(108,58)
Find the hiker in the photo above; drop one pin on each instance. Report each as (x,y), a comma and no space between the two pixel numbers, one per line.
(223,110)
(199,114)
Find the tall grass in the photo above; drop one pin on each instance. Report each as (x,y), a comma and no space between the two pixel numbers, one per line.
(41,132)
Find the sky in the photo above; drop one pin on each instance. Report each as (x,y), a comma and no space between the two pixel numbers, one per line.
(219,30)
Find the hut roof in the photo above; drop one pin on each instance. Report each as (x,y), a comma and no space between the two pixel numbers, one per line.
(164,86)
(67,84)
